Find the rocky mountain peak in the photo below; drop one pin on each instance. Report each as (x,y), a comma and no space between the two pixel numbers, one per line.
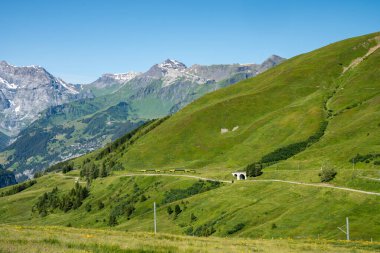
(172,64)
(272,61)
(26,91)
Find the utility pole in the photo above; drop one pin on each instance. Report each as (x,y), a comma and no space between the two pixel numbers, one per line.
(347,231)
(155,218)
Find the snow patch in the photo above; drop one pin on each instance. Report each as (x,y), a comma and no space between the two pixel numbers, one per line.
(67,86)
(9,85)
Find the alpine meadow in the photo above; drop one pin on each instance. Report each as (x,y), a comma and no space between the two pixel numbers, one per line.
(282,156)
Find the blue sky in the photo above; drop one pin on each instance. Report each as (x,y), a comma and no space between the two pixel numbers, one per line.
(79,40)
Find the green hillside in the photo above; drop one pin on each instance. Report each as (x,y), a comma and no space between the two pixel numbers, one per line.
(283,106)
(307,114)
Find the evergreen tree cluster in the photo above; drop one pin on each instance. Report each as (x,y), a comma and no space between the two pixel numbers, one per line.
(18,188)
(65,167)
(91,171)
(50,201)
(254,169)
(367,158)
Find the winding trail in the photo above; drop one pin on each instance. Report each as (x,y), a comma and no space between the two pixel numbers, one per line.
(320,185)
(261,180)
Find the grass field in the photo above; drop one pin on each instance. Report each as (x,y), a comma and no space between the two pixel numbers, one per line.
(59,239)
(267,209)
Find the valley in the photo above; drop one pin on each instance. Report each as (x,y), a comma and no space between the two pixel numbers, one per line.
(106,109)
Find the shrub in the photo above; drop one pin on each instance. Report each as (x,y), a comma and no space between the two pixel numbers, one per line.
(177,210)
(327,175)
(205,230)
(112,220)
(193,217)
(196,188)
(254,169)
(169,210)
(143,198)
(88,208)
(18,188)
(236,228)
(100,205)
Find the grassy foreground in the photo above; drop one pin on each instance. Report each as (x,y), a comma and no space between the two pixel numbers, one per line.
(60,239)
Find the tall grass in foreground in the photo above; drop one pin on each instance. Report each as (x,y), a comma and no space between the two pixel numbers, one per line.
(61,239)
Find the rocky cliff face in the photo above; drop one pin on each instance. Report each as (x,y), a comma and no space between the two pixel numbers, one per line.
(26,91)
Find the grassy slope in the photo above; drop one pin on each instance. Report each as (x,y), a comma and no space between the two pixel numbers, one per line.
(279,107)
(297,211)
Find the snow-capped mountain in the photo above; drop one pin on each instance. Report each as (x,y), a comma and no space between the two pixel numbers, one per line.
(26,91)
(108,79)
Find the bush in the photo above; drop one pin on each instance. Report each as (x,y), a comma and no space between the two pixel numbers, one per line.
(18,188)
(254,169)
(177,210)
(196,188)
(327,175)
(169,210)
(112,221)
(193,217)
(88,208)
(143,198)
(236,228)
(100,205)
(205,230)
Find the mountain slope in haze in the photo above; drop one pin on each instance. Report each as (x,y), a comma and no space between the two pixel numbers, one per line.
(109,83)
(72,129)
(283,106)
(26,91)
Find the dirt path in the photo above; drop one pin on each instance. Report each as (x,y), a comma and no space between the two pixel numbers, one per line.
(262,180)
(358,60)
(315,185)
(371,178)
(245,181)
